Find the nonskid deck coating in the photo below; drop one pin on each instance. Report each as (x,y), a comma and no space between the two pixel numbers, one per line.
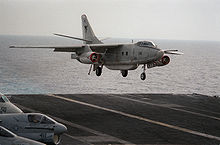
(130,118)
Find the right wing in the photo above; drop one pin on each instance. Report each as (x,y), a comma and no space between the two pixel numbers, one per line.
(72,37)
(176,52)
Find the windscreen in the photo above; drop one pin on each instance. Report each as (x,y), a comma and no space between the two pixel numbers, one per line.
(46,120)
(3,98)
(34,118)
(146,44)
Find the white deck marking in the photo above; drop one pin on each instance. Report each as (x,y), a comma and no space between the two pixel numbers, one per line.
(100,137)
(139,118)
(217,113)
(167,106)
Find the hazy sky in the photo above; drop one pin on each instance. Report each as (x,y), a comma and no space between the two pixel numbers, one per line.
(163,19)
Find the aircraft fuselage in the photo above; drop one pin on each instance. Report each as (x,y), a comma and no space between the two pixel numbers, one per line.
(34,126)
(126,57)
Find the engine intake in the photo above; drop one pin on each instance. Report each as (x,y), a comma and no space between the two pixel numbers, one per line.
(94,57)
(161,62)
(89,58)
(165,60)
(56,139)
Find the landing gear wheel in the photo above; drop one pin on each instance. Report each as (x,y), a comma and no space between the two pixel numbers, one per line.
(98,71)
(124,73)
(143,76)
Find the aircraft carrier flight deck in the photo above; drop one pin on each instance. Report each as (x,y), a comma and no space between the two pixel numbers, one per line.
(130,118)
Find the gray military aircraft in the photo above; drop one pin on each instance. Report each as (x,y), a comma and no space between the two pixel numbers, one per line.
(121,57)
(6,106)
(9,138)
(33,126)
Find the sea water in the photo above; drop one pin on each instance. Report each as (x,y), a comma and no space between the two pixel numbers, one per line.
(44,71)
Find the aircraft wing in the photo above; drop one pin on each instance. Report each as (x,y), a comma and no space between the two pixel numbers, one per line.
(101,48)
(56,48)
(173,52)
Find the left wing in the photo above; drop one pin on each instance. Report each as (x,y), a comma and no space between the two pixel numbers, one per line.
(101,48)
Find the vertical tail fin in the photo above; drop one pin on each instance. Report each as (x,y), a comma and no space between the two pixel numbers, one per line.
(87,31)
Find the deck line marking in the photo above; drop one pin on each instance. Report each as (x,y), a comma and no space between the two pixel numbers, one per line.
(177,109)
(203,110)
(99,134)
(213,112)
(139,118)
(91,130)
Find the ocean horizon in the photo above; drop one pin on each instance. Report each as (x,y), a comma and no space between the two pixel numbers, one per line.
(42,71)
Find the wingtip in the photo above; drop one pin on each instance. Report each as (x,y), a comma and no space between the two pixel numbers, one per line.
(55,34)
(12,46)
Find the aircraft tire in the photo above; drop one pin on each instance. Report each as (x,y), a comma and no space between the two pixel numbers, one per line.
(143,76)
(124,73)
(98,71)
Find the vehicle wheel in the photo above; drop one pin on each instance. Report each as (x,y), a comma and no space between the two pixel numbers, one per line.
(143,76)
(98,71)
(124,73)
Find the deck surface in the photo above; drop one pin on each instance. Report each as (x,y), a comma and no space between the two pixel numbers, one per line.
(130,118)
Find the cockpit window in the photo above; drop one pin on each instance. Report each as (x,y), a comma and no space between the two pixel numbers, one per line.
(146,44)
(5,133)
(36,118)
(3,98)
(46,120)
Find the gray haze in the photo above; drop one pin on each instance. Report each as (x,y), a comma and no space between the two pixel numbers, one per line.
(163,19)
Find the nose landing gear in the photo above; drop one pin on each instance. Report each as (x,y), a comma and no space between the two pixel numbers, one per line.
(143,75)
(124,73)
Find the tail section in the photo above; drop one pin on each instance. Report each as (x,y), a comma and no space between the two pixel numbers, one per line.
(88,33)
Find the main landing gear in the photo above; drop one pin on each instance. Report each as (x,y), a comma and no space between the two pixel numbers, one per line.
(143,75)
(98,71)
(96,68)
(124,73)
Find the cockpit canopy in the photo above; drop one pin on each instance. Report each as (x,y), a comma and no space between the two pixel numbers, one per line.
(146,44)
(3,98)
(39,118)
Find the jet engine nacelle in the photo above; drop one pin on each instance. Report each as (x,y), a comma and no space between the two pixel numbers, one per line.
(161,62)
(165,60)
(90,57)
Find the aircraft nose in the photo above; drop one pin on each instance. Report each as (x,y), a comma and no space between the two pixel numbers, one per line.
(60,128)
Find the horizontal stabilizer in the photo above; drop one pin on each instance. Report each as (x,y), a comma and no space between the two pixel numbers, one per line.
(72,37)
